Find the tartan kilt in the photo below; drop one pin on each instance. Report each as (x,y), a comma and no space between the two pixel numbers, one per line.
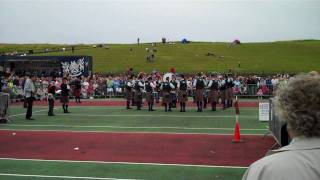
(77,92)
(166,98)
(50,96)
(183,97)
(64,99)
(138,96)
(149,97)
(223,94)
(128,95)
(213,96)
(230,93)
(199,95)
(173,96)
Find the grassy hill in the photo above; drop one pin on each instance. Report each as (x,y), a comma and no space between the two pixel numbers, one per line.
(274,57)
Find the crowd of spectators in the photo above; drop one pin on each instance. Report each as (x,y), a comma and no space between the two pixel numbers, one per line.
(106,86)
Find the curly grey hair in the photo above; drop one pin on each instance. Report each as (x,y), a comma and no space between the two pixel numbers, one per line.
(298,103)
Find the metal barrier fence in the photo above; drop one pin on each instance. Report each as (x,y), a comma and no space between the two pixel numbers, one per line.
(249,90)
(277,127)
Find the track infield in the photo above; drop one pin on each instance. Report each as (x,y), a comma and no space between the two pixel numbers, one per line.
(115,143)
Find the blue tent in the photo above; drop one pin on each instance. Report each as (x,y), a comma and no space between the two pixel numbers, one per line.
(184,41)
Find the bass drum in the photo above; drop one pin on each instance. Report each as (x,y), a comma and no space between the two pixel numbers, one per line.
(167,75)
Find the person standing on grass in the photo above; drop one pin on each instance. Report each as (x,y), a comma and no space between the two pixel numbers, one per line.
(205,93)
(213,93)
(128,91)
(51,94)
(64,98)
(149,93)
(229,85)
(173,92)
(223,91)
(29,91)
(138,89)
(183,97)
(77,90)
(298,104)
(199,84)
(157,89)
(166,87)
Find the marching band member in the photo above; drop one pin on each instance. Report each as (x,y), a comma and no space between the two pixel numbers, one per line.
(64,99)
(128,91)
(223,89)
(138,90)
(199,84)
(51,93)
(229,86)
(173,92)
(166,87)
(213,93)
(150,86)
(183,97)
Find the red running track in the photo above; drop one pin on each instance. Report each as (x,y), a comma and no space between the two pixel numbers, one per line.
(123,103)
(193,149)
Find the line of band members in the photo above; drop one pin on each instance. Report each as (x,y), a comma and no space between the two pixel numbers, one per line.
(210,89)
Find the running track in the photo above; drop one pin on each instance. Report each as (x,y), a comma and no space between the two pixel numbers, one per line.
(195,149)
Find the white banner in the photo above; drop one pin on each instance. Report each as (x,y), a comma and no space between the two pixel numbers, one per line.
(264,111)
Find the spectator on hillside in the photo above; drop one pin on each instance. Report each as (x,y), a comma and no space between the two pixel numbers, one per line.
(297,103)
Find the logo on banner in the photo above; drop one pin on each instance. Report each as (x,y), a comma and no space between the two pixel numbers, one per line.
(74,68)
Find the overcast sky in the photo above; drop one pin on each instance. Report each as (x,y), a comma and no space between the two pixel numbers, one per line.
(123,21)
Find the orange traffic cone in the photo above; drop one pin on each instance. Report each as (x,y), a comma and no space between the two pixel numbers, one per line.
(237,132)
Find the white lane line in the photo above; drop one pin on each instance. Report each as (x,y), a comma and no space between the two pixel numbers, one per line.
(34,112)
(128,132)
(148,115)
(59,177)
(127,163)
(125,127)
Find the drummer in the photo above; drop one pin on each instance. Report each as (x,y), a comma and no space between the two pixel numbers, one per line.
(166,87)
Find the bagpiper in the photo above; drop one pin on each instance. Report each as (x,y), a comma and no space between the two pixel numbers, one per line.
(64,99)
(150,86)
(51,94)
(213,93)
(223,91)
(229,85)
(173,92)
(157,89)
(128,91)
(138,90)
(199,84)
(183,97)
(205,93)
(166,87)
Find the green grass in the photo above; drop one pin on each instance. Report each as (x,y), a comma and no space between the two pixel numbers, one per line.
(154,172)
(268,58)
(119,119)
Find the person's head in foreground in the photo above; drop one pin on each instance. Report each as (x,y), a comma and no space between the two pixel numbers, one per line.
(297,103)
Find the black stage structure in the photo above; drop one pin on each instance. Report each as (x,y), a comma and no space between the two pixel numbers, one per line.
(47,65)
